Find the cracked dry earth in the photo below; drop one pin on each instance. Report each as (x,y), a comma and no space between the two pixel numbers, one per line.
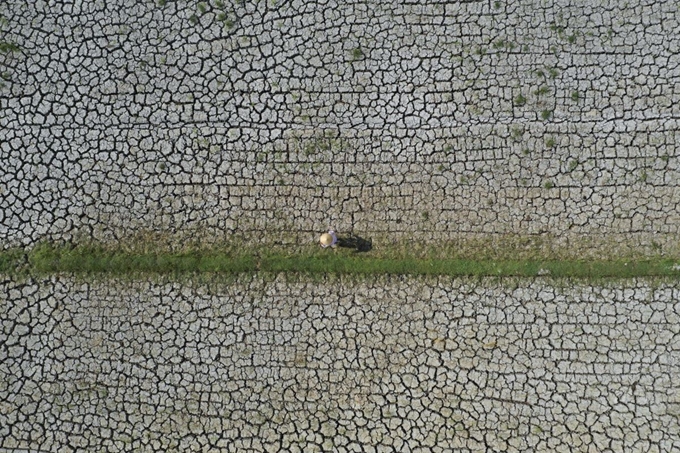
(336,364)
(431,120)
(428,120)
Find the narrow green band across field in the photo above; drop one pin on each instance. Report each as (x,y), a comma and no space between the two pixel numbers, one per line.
(49,259)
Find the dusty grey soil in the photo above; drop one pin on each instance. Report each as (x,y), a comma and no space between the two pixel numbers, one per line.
(336,364)
(266,122)
(270,120)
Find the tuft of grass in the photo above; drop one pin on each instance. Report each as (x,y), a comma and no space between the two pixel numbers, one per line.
(643,176)
(550,142)
(8,47)
(520,100)
(541,91)
(575,96)
(549,185)
(499,44)
(516,133)
(546,114)
(357,53)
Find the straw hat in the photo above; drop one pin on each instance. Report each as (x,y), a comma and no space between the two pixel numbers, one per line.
(326,239)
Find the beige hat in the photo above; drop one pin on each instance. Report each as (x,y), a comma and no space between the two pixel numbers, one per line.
(326,239)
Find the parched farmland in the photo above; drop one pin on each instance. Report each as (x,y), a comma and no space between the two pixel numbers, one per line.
(235,132)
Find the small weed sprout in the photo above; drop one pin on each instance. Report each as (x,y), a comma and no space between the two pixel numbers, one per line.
(549,185)
(541,91)
(441,167)
(572,165)
(571,39)
(202,8)
(357,53)
(8,47)
(575,96)
(520,100)
(516,133)
(554,73)
(497,5)
(643,176)
(162,2)
(546,114)
(550,142)
(193,19)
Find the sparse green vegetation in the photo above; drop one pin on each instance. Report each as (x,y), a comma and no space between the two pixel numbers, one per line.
(541,91)
(516,133)
(520,100)
(550,142)
(8,47)
(503,44)
(98,260)
(572,165)
(546,114)
(575,96)
(357,53)
(549,185)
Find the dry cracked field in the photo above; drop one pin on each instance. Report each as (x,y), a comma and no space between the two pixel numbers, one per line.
(415,123)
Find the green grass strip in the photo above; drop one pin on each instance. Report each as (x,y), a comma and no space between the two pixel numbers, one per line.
(51,259)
